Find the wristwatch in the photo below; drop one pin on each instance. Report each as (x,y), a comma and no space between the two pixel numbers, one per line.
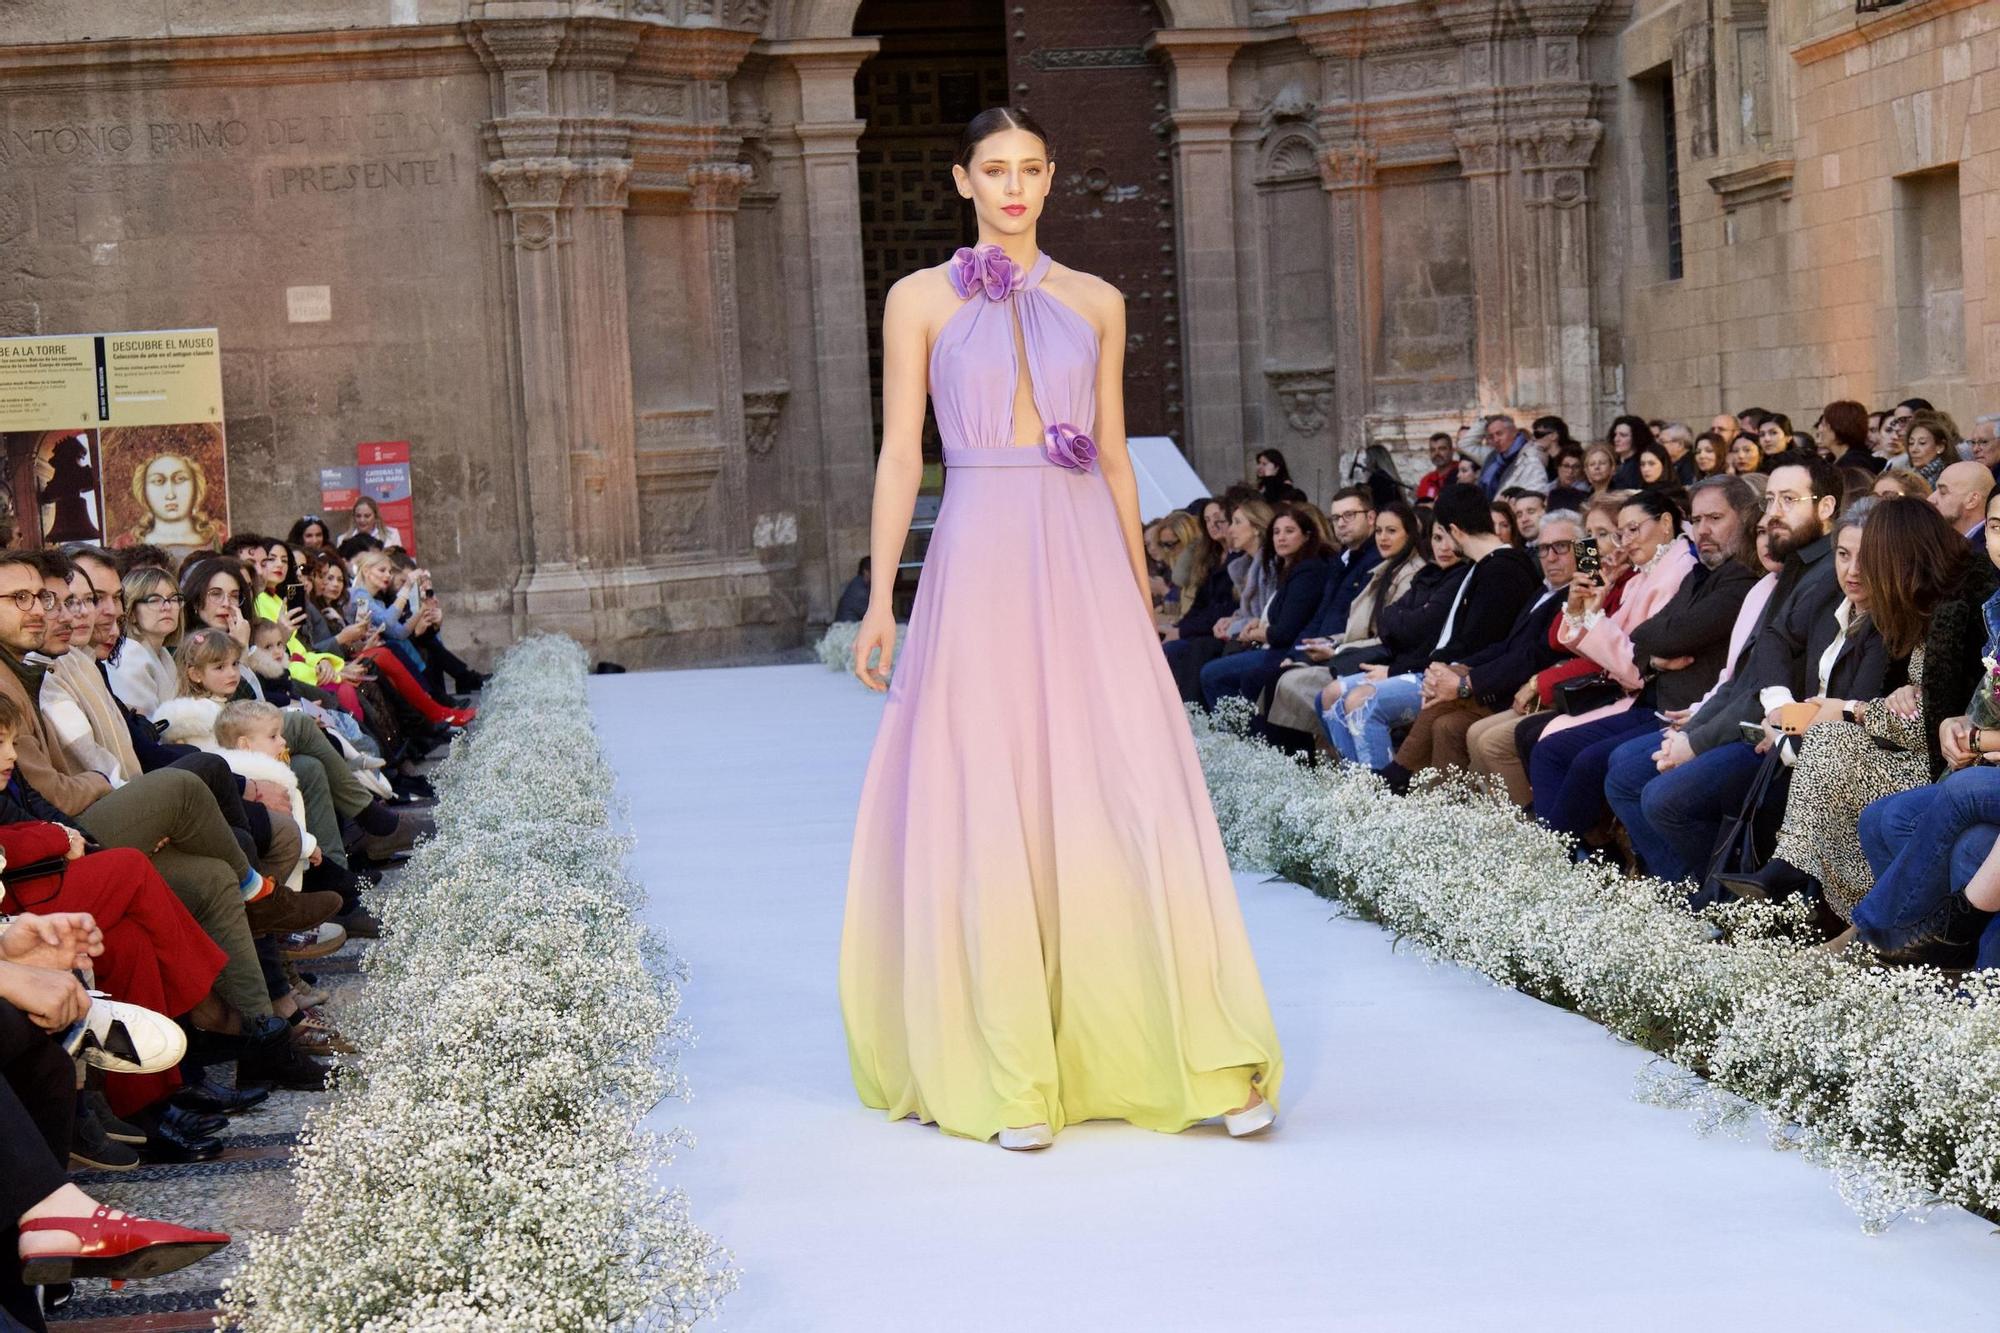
(1465,687)
(1851,710)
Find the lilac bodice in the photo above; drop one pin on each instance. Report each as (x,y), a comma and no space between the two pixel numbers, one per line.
(972,367)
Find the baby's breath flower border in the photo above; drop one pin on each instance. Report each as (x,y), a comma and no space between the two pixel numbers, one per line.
(1890,1077)
(480,1165)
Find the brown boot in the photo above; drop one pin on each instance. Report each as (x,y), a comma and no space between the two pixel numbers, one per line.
(287,910)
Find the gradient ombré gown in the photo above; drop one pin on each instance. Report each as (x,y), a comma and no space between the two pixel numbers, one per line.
(1041,925)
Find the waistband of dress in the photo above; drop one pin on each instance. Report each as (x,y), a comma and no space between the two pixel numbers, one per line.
(1029,455)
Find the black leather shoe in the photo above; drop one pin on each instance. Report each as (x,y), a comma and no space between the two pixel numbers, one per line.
(288,1067)
(168,1143)
(212,1097)
(191,1124)
(1778,879)
(90,1147)
(115,1127)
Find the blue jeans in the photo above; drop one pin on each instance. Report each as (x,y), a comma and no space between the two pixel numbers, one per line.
(1675,817)
(1237,674)
(1568,769)
(1923,846)
(1361,734)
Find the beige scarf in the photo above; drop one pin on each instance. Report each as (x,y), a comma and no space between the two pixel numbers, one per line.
(77,670)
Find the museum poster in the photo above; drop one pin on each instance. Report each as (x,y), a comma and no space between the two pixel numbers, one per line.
(114,438)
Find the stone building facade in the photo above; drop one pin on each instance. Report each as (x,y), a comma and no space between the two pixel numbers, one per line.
(613,266)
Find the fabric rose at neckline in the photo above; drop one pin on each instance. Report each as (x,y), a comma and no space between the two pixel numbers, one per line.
(1069,447)
(986,269)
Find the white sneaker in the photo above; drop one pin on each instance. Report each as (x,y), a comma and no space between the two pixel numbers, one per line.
(126,1039)
(1026,1139)
(1250,1120)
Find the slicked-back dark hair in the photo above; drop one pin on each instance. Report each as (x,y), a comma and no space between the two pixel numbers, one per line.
(993,120)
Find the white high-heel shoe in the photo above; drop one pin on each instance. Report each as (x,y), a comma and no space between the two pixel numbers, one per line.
(1250,1119)
(1027,1138)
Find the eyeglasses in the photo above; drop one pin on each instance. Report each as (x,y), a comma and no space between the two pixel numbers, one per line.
(158,599)
(1556,548)
(24,599)
(72,605)
(221,595)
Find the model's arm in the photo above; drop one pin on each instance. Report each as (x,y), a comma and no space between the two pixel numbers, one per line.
(899,471)
(1112,454)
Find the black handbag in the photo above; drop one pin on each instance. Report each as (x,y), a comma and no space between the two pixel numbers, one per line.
(1740,850)
(46,868)
(1585,693)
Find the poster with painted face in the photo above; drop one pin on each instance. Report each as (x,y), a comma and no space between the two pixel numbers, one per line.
(166,486)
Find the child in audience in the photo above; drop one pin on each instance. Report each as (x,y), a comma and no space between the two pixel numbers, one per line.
(250,736)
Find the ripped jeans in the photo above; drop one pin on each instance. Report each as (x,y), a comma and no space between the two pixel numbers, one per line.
(1361,733)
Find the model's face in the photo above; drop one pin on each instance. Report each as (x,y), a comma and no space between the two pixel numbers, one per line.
(1007,181)
(1847,566)
(1744,455)
(1286,538)
(1391,537)
(169,489)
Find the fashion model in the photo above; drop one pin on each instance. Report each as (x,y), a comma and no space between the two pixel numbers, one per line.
(1041,927)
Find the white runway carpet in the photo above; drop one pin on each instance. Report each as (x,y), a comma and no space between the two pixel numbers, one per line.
(1451,1155)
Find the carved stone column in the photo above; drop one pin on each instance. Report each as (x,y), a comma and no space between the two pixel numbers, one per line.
(1555,157)
(714,190)
(607,508)
(828,136)
(1203,145)
(1347,171)
(531,191)
(1482,157)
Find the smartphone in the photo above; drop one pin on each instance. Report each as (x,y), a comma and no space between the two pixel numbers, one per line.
(1752,732)
(295,596)
(1588,561)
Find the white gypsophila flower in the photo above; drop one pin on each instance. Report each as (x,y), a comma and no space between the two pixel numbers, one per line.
(1888,1077)
(835,648)
(479,1166)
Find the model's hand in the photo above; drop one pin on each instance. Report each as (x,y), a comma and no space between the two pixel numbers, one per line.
(877,634)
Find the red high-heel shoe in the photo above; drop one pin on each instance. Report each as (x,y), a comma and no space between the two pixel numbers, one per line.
(461,717)
(118,1248)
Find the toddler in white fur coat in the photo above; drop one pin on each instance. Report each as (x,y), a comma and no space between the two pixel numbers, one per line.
(250,737)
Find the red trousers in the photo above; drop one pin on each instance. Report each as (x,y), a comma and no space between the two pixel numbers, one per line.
(155,955)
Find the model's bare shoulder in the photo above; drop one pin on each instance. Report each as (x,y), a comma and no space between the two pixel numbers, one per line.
(1099,301)
(925,296)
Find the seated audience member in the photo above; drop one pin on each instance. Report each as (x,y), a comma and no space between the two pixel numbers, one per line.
(1526,509)
(1923,591)
(1655,466)
(366,521)
(1674,793)
(1960,497)
(1503,524)
(1900,481)
(1190,643)
(1350,563)
(1661,561)
(1252,584)
(1774,435)
(1273,479)
(1400,557)
(1572,488)
(853,601)
(1368,705)
(1669,657)
(142,669)
(1457,695)
(1299,557)
(1710,455)
(1930,440)
(1746,456)
(311,535)
(1600,465)
(1842,436)
(1510,459)
(1678,441)
(1444,469)
(1627,436)
(1935,855)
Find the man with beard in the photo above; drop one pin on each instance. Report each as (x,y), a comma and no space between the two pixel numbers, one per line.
(1674,790)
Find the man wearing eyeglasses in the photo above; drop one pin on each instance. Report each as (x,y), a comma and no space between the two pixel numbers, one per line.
(170,815)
